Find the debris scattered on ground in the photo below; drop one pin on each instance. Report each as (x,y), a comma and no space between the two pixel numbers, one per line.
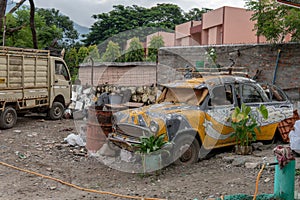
(66,129)
(74,140)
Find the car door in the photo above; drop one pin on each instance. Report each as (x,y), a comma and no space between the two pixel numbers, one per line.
(278,105)
(220,103)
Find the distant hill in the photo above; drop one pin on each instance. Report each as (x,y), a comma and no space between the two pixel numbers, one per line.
(81,30)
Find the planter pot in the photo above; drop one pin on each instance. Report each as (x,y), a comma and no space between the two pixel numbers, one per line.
(151,162)
(243,150)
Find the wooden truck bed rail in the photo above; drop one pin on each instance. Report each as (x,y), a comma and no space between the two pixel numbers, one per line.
(26,52)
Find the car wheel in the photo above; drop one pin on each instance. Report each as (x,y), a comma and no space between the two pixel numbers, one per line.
(186,150)
(56,111)
(8,118)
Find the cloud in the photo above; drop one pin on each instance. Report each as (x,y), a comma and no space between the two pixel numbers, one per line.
(81,11)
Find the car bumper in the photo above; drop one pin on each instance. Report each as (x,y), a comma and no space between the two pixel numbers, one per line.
(123,142)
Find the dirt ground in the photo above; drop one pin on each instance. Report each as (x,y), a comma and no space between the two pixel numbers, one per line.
(36,144)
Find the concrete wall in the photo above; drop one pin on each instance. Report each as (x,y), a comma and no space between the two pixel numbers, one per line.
(249,58)
(120,74)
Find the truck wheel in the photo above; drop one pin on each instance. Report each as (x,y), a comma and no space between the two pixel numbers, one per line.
(56,111)
(186,150)
(8,118)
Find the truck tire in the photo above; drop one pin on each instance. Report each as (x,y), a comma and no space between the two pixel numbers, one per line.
(8,118)
(186,150)
(56,111)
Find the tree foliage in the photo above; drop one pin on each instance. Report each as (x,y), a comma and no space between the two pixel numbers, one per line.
(53,17)
(71,59)
(93,52)
(23,37)
(275,21)
(135,19)
(112,52)
(195,14)
(52,28)
(155,43)
(135,52)
(82,54)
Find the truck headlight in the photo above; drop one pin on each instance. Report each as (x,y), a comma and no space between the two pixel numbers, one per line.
(154,127)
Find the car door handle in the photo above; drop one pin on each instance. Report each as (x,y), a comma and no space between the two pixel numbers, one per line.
(284,106)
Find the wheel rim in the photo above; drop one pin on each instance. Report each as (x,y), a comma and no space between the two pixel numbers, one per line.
(186,153)
(57,111)
(9,118)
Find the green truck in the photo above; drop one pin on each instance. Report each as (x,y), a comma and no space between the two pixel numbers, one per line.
(32,80)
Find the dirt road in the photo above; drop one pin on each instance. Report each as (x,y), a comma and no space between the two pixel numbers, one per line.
(37,144)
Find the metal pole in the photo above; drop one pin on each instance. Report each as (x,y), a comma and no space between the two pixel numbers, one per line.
(92,72)
(4,31)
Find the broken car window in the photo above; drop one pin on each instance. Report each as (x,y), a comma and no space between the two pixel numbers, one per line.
(250,94)
(183,95)
(221,95)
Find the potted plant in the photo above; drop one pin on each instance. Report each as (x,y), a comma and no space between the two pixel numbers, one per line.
(244,122)
(151,151)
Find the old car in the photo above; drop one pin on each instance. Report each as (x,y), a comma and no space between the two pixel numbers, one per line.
(193,115)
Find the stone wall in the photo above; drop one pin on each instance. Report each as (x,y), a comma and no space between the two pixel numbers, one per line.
(247,59)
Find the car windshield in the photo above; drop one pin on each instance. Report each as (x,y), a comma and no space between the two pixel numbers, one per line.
(183,95)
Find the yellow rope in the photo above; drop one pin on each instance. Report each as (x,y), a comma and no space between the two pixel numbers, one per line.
(77,187)
(257,180)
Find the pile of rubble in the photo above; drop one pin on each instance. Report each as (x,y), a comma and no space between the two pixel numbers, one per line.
(85,96)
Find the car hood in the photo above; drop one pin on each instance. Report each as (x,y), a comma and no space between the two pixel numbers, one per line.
(157,112)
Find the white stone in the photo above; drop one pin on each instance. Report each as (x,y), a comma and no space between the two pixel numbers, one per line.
(250,165)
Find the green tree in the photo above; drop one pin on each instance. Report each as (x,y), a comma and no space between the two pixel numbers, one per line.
(82,54)
(23,37)
(53,17)
(135,51)
(112,52)
(93,52)
(155,43)
(71,59)
(196,14)
(275,21)
(134,18)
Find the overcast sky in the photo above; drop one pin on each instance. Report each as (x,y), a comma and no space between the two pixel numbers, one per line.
(80,11)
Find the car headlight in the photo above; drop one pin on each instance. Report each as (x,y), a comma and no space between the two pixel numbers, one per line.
(154,127)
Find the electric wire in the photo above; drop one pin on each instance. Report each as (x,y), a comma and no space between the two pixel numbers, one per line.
(77,187)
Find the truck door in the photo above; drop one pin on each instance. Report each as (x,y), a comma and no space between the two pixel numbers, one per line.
(62,82)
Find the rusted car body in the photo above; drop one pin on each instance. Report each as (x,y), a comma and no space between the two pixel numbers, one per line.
(193,114)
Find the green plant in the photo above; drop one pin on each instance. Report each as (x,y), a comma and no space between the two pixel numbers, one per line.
(212,54)
(244,122)
(150,144)
(151,151)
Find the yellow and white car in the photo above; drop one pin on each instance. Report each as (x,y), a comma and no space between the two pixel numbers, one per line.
(193,115)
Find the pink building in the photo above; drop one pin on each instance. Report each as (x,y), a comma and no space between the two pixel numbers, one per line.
(229,25)
(184,36)
(168,38)
(225,25)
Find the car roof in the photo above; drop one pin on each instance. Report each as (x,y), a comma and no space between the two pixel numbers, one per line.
(207,81)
